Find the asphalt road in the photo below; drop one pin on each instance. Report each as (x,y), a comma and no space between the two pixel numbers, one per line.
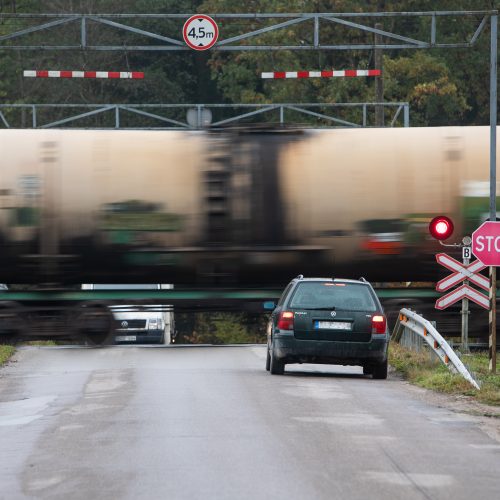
(211,423)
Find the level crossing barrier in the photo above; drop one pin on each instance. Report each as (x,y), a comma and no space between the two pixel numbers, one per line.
(410,323)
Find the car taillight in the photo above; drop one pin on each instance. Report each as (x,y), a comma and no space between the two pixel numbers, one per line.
(285,320)
(379,324)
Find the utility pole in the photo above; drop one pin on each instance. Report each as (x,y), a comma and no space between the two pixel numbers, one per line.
(493,188)
(379,80)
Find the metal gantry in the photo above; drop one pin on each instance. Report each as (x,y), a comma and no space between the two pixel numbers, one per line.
(309,31)
(199,116)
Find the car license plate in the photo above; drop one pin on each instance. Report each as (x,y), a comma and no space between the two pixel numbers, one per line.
(332,325)
(126,338)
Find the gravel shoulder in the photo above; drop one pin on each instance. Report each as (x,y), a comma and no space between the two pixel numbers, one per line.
(486,416)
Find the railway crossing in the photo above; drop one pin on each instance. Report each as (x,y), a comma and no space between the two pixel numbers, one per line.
(461,273)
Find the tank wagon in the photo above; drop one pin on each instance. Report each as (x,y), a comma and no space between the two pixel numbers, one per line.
(233,208)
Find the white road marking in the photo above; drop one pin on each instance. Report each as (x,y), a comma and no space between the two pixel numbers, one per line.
(485,446)
(346,419)
(372,437)
(411,479)
(23,411)
(316,391)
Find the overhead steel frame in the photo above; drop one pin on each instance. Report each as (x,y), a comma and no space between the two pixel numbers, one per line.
(400,41)
(123,23)
(152,111)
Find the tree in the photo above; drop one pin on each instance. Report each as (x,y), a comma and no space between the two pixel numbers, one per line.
(170,77)
(443,86)
(424,81)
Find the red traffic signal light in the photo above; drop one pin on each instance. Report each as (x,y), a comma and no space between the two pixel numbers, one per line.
(441,227)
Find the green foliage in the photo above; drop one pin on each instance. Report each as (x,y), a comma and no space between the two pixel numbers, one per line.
(229,331)
(6,351)
(220,328)
(443,86)
(170,77)
(425,82)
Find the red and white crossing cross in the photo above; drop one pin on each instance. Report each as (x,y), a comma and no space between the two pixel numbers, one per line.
(321,74)
(462,272)
(133,75)
(463,292)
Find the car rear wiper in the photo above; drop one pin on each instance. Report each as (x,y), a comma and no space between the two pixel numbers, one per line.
(324,308)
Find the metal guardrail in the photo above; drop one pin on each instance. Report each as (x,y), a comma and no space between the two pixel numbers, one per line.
(410,321)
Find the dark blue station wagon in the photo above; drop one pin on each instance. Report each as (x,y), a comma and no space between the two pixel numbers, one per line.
(328,321)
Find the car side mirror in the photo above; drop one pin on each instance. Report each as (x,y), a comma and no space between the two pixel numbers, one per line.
(269,305)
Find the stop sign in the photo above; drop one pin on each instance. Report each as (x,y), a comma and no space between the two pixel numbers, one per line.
(486,243)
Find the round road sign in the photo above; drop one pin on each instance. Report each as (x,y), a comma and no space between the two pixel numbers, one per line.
(486,243)
(200,32)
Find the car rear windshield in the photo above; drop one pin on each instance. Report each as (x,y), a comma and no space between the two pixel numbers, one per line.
(328,295)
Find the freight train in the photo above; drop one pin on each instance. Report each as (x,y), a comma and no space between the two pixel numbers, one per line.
(237,208)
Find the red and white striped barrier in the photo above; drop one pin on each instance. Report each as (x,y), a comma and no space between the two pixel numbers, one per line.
(322,74)
(83,74)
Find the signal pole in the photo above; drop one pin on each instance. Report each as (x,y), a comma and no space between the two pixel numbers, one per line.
(465,301)
(379,81)
(493,188)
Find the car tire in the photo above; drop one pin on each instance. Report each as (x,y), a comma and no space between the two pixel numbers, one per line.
(277,366)
(268,360)
(380,370)
(367,369)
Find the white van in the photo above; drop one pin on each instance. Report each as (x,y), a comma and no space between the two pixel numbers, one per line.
(140,324)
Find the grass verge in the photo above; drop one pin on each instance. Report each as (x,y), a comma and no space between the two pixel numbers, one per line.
(422,370)
(6,351)
(41,343)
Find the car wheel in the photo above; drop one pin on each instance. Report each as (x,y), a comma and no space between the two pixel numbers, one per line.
(367,369)
(268,360)
(277,367)
(380,370)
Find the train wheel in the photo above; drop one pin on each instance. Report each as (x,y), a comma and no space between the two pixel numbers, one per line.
(94,325)
(12,324)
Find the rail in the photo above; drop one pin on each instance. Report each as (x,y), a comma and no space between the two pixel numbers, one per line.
(411,321)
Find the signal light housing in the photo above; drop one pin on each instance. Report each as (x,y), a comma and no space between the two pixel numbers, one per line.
(441,227)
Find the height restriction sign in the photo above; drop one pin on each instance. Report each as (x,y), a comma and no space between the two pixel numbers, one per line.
(200,32)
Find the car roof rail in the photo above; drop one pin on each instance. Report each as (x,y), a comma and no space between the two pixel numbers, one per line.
(300,277)
(363,280)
